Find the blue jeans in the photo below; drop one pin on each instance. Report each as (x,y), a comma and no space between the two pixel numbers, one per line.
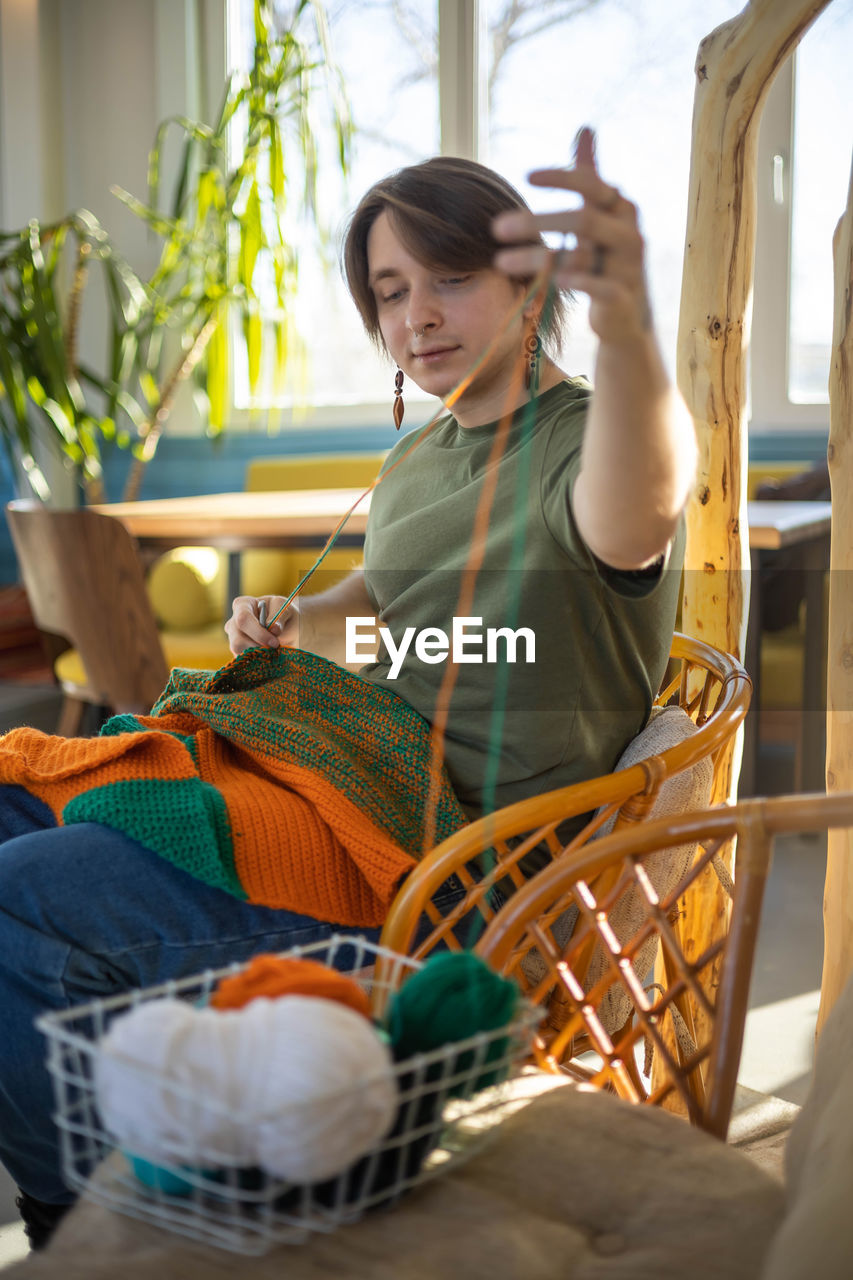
(87,912)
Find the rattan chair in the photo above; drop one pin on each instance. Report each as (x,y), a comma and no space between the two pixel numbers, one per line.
(710,686)
(696,1036)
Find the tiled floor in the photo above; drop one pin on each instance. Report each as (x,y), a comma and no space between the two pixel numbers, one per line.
(778,1048)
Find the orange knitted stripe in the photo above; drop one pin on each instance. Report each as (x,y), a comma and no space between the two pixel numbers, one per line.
(298,843)
(53,768)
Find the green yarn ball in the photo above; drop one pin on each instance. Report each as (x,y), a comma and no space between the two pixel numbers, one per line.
(454,996)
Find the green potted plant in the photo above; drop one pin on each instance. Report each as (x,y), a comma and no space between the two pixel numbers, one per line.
(55,413)
(222,231)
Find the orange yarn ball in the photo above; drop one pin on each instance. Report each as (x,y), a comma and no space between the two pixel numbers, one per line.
(273,976)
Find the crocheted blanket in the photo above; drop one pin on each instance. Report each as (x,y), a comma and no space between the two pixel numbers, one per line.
(282,778)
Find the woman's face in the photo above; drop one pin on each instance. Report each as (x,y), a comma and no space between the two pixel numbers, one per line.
(436,324)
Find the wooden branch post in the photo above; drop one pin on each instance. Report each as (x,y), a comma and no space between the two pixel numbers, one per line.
(735,67)
(838,895)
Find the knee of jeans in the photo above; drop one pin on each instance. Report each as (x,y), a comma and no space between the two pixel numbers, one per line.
(469,927)
(453,891)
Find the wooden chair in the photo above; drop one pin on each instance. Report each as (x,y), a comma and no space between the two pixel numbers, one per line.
(710,686)
(676,1007)
(86,586)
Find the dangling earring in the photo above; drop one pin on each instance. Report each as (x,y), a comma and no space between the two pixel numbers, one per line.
(532,352)
(399,407)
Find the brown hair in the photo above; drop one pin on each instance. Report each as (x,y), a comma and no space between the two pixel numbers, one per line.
(442,210)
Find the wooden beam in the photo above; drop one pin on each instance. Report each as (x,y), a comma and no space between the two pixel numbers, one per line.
(735,66)
(838,896)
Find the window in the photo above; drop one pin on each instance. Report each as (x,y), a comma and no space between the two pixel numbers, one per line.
(510,82)
(823,136)
(803,170)
(626,68)
(387,53)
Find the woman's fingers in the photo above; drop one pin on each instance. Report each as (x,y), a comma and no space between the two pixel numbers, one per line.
(584,180)
(589,220)
(603,252)
(245,629)
(602,245)
(597,236)
(584,146)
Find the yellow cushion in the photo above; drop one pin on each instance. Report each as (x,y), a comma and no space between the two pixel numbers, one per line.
(278,572)
(69,669)
(266,573)
(758,472)
(314,471)
(204,650)
(186,588)
(782,657)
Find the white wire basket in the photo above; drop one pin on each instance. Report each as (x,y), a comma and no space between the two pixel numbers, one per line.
(444,1114)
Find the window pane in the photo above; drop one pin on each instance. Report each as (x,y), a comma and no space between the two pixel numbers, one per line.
(626,68)
(823,138)
(387,53)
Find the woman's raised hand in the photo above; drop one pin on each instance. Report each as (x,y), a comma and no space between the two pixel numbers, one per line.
(606,260)
(245,629)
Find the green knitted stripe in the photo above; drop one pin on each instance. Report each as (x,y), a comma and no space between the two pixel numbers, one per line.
(130,724)
(123,723)
(365,740)
(183,819)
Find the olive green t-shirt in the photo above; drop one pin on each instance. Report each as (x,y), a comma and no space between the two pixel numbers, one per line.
(575,694)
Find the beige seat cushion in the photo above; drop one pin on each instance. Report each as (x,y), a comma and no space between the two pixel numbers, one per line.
(690,789)
(576,1186)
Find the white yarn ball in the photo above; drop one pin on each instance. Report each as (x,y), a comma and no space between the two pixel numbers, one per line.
(301,1086)
(163,1084)
(328,1093)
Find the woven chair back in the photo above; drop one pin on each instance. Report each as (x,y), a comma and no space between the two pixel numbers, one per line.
(696,1036)
(711,687)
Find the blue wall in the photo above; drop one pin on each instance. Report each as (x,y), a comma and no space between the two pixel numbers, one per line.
(187,465)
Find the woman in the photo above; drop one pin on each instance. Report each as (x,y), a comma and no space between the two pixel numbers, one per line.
(87,911)
(606,478)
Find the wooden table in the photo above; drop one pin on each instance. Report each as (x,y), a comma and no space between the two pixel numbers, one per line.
(774,526)
(235,522)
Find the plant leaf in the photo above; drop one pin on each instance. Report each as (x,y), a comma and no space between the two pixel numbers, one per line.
(217,373)
(251,238)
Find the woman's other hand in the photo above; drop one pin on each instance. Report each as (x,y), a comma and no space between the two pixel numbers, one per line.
(606,260)
(245,629)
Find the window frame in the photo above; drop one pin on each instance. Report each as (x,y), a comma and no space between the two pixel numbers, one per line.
(772,411)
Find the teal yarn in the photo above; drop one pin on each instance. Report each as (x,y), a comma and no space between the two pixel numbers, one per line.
(454,996)
(158,1178)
